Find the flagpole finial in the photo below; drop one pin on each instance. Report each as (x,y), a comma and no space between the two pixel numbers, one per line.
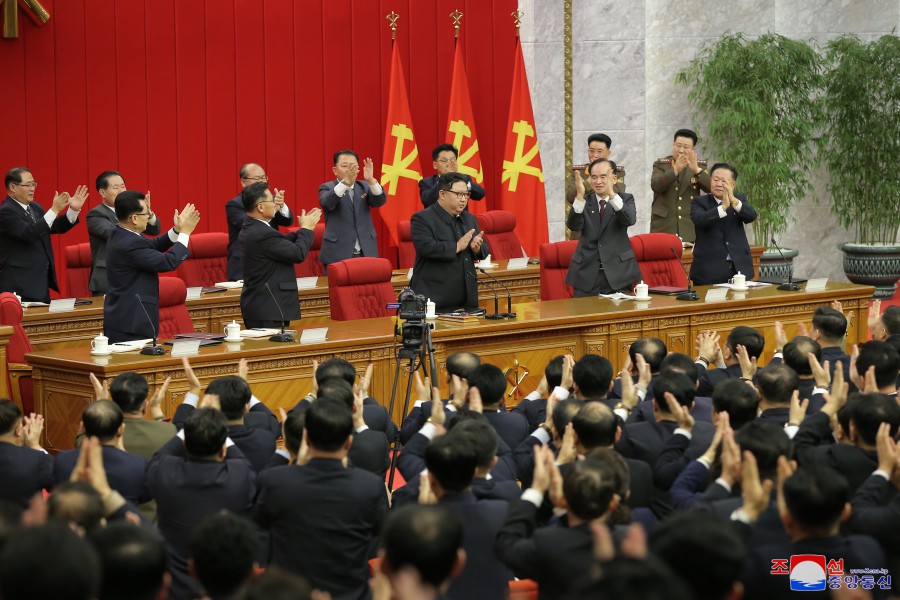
(517,17)
(392,17)
(456,16)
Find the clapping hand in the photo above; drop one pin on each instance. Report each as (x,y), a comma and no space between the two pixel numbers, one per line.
(579,185)
(464,241)
(77,200)
(369,172)
(308,220)
(186,221)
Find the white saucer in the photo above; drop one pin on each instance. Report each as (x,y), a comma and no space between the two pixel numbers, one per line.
(233,341)
(644,299)
(95,353)
(740,289)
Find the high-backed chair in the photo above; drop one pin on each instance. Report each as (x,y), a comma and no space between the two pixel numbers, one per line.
(499,227)
(20,383)
(555,259)
(659,267)
(360,288)
(208,262)
(78,269)
(311,267)
(173,314)
(406,249)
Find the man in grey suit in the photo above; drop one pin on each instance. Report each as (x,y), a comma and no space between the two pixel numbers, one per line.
(102,221)
(347,204)
(604,261)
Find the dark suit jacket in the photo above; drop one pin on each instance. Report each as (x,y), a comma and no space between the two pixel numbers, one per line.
(324,519)
(235,214)
(645,441)
(133,263)
(710,377)
(124,471)
(418,416)
(26,254)
(482,488)
(374,415)
(101,222)
(813,444)
(534,411)
(428,190)
(779,415)
(347,221)
(269,257)
(701,411)
(24,473)
(717,238)
(603,242)
(511,427)
(411,460)
(257,445)
(640,483)
(441,273)
(876,512)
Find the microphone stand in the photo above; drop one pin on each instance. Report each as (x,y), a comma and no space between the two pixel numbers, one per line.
(509,311)
(689,295)
(279,337)
(497,314)
(789,286)
(153,350)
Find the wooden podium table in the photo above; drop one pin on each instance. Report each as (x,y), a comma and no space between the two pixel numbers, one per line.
(280,372)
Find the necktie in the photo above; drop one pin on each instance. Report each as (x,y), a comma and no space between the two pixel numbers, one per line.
(602,208)
(31,214)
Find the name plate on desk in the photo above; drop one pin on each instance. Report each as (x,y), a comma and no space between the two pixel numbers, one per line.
(716,295)
(307,283)
(193,293)
(62,304)
(516,263)
(309,336)
(817,285)
(186,347)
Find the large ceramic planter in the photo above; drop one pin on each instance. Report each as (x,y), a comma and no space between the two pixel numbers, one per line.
(772,266)
(873,264)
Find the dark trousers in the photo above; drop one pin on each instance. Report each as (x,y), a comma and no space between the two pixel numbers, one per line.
(601,286)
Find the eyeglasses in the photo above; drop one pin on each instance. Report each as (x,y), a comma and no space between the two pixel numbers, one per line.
(143,214)
(447,161)
(257,178)
(31,184)
(460,195)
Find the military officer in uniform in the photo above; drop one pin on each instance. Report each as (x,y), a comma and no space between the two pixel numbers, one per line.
(598,147)
(676,181)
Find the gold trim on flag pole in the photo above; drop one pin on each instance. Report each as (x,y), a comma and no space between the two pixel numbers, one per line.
(392,17)
(456,16)
(517,17)
(567,101)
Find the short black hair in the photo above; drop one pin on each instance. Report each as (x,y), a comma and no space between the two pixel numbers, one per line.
(444,148)
(652,349)
(426,538)
(10,414)
(563,413)
(736,398)
(14,175)
(490,381)
(869,411)
(830,323)
(815,495)
(128,203)
(129,390)
(688,133)
(553,372)
(103,179)
(676,384)
(600,137)
(293,430)
(224,548)
(890,318)
(76,503)
(340,153)
(675,362)
(336,389)
(278,584)
(446,181)
(595,425)
(234,395)
(328,425)
(588,487)
(766,441)
(479,435)
(777,382)
(336,367)
(133,560)
(102,419)
(452,461)
(205,432)
(796,354)
(725,166)
(253,194)
(462,364)
(884,357)
(749,338)
(592,374)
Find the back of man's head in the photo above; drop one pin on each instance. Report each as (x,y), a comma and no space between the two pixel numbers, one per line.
(133,561)
(869,411)
(205,432)
(595,426)
(77,504)
(563,413)
(675,362)
(234,395)
(102,419)
(452,461)
(592,374)
(491,383)
(224,549)
(766,441)
(49,561)
(293,431)
(278,584)
(425,538)
(676,384)
(336,367)
(589,487)
(479,435)
(328,424)
(553,372)
(830,323)
(816,496)
(776,383)
(619,468)
(796,354)
(129,390)
(462,364)
(10,415)
(337,389)
(747,337)
(652,349)
(890,318)
(884,357)
(736,398)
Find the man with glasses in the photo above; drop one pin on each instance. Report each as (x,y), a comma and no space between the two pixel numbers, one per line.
(445,157)
(676,181)
(102,221)
(234,212)
(447,242)
(26,254)
(133,264)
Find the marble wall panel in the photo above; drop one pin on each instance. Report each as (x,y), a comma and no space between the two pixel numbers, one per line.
(608,85)
(548,20)
(683,19)
(547,86)
(601,20)
(552,154)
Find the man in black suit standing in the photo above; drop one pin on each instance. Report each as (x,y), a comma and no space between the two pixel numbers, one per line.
(348,204)
(25,467)
(133,264)
(235,214)
(269,258)
(447,242)
(102,221)
(604,261)
(26,254)
(444,157)
(491,384)
(721,249)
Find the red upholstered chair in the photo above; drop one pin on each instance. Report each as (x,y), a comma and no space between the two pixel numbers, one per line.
(523,589)
(657,263)
(173,314)
(499,228)
(555,259)
(78,269)
(20,384)
(360,288)
(207,263)
(407,250)
(311,267)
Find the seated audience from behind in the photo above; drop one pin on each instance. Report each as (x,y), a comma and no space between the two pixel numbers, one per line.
(884,360)
(829,330)
(491,383)
(776,384)
(592,377)
(224,551)
(369,448)
(653,351)
(796,356)
(739,400)
(675,362)
(25,467)
(726,362)
(534,405)
(79,505)
(461,364)
(550,433)
(142,436)
(885,324)
(133,561)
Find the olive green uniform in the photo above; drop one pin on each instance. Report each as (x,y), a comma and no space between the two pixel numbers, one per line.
(672,197)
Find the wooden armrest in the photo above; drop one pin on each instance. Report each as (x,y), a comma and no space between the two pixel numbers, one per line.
(20,369)
(16,372)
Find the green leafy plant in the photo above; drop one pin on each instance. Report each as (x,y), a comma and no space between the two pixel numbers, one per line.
(861,141)
(760,96)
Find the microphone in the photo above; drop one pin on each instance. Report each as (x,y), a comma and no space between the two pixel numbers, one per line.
(497,314)
(690,294)
(279,337)
(153,350)
(790,286)
(509,313)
